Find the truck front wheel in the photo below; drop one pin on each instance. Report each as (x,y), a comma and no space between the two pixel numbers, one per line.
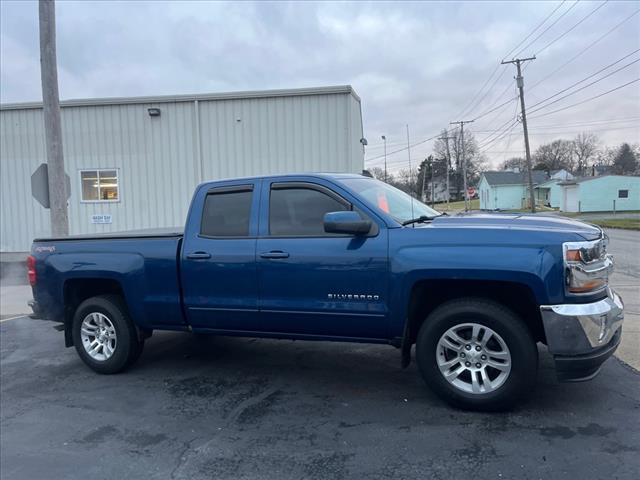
(104,335)
(476,354)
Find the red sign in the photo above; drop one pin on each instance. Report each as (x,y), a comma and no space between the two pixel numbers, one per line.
(471,192)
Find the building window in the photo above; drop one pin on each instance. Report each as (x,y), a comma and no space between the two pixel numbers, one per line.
(100,185)
(227,213)
(623,193)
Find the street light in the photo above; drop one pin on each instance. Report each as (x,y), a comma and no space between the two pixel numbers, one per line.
(384,139)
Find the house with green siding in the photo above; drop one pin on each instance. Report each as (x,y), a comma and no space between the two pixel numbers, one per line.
(605,193)
(507,190)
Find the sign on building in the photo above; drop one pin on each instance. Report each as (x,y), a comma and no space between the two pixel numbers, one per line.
(101,218)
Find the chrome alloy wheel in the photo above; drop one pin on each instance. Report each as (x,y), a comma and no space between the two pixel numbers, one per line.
(98,336)
(473,358)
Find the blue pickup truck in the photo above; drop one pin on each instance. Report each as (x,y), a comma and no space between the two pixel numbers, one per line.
(339,257)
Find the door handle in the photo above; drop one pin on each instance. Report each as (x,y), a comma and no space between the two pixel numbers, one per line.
(274,254)
(198,256)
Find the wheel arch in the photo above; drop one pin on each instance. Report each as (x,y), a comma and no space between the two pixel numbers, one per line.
(427,295)
(77,290)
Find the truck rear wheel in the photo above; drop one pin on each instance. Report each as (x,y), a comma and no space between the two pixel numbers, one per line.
(476,354)
(104,335)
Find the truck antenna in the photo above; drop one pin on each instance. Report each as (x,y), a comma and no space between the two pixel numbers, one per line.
(410,172)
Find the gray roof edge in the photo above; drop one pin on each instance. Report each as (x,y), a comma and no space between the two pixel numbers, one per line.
(521,177)
(289,92)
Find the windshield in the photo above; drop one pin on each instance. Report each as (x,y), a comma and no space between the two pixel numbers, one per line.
(389,199)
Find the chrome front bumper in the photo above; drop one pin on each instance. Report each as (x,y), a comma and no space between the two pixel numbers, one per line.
(582,336)
(578,328)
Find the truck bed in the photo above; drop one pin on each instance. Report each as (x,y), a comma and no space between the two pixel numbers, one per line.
(142,265)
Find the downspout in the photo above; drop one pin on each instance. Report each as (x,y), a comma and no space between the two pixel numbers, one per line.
(199,159)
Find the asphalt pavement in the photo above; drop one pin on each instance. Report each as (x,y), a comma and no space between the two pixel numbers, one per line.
(625,247)
(230,408)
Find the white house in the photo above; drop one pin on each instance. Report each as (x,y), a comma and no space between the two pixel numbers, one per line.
(603,193)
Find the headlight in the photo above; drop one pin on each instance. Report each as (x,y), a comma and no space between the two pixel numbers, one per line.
(587,266)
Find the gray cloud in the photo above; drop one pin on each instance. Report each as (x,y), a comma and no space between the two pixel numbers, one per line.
(416,63)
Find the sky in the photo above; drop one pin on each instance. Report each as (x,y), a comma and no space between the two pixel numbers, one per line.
(422,64)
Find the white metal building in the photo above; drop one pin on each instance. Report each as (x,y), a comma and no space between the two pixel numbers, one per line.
(134,162)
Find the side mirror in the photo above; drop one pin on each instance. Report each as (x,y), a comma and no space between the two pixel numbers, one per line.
(346,222)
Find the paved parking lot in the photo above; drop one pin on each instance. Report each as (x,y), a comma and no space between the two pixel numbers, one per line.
(222,408)
(237,408)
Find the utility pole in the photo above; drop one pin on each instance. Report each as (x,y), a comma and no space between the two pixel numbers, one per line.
(520,83)
(384,139)
(410,170)
(446,138)
(464,161)
(433,195)
(424,177)
(51,115)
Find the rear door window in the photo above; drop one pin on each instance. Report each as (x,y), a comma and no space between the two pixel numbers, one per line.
(227,212)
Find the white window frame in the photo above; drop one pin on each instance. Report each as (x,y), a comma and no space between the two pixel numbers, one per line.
(110,169)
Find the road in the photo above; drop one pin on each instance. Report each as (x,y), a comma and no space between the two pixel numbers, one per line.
(625,247)
(231,408)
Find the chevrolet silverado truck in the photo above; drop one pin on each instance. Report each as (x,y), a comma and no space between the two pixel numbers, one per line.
(343,257)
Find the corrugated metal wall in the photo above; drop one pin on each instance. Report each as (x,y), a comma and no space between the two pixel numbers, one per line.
(161,159)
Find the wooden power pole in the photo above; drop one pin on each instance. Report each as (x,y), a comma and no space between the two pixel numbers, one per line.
(446,138)
(51,114)
(520,83)
(464,162)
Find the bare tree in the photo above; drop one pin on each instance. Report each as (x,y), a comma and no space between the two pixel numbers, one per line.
(605,156)
(555,156)
(476,161)
(585,148)
(514,162)
(378,173)
(407,181)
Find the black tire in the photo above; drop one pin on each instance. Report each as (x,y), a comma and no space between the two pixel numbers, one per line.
(128,346)
(521,344)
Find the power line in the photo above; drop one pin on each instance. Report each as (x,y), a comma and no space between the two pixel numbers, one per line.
(587,100)
(579,22)
(591,122)
(592,75)
(404,148)
(465,111)
(515,114)
(479,102)
(500,129)
(499,106)
(630,127)
(579,89)
(501,136)
(548,28)
(562,132)
(611,30)
(535,29)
